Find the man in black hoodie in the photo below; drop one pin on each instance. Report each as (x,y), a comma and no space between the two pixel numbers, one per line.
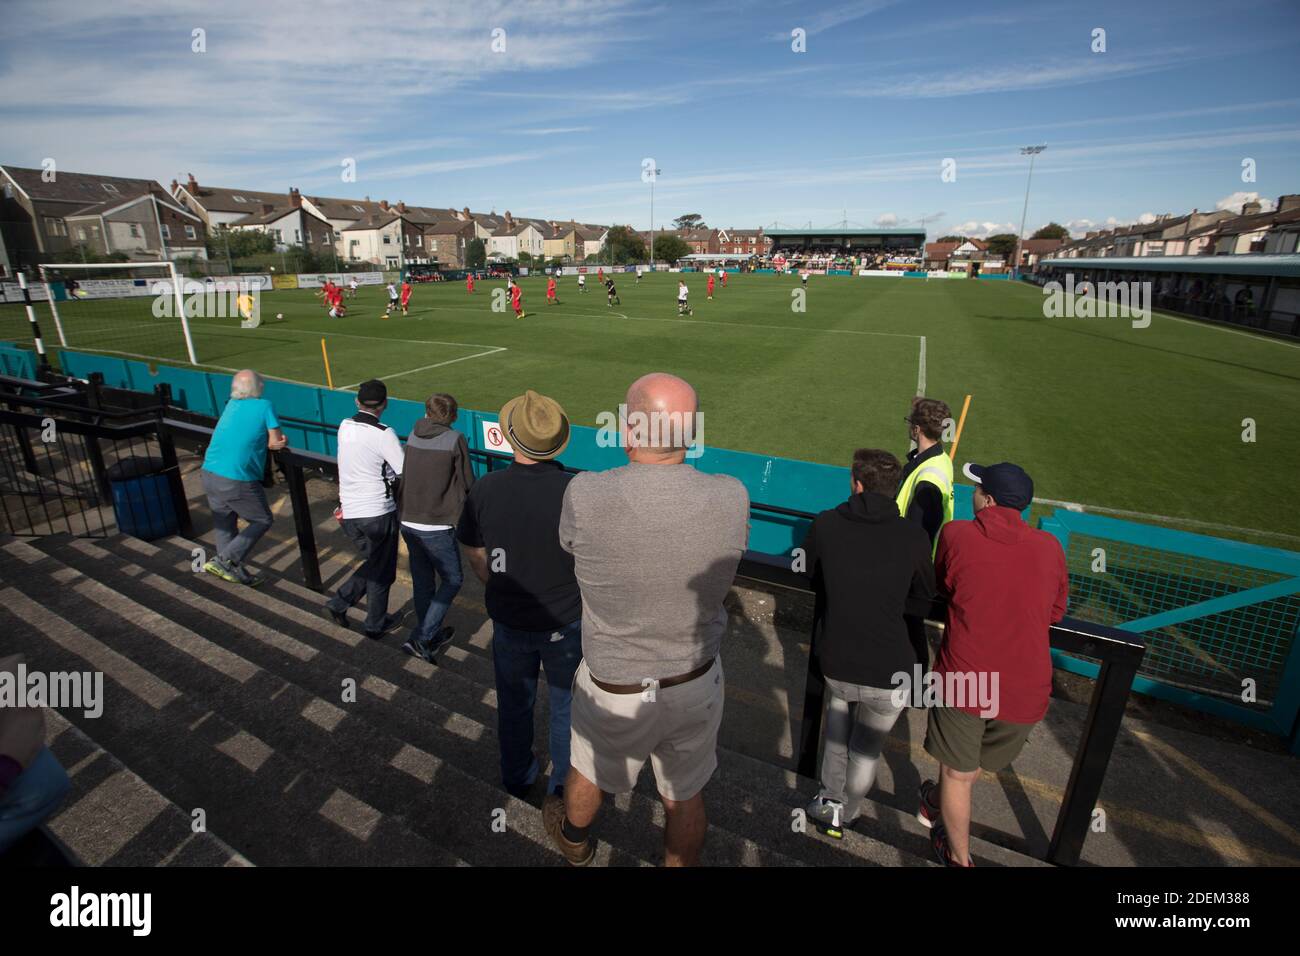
(869,567)
(435,483)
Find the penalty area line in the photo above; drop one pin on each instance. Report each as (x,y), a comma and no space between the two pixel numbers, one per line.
(491,350)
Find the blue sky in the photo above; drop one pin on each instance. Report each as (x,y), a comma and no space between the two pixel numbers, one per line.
(745,130)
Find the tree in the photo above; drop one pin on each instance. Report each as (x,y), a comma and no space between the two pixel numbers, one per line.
(242,242)
(670,248)
(525,257)
(622,247)
(951,239)
(1002,245)
(692,220)
(1053,230)
(475,254)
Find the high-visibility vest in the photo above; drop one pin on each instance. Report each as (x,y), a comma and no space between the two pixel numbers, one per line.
(938,472)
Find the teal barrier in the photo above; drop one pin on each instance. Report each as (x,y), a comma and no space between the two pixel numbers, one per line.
(20,363)
(1003,276)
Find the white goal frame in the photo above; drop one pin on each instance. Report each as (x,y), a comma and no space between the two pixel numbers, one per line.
(177,292)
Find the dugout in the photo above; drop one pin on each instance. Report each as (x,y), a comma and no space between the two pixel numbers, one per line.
(798,243)
(1257,291)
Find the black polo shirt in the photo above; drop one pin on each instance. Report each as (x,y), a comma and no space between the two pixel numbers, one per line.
(515,515)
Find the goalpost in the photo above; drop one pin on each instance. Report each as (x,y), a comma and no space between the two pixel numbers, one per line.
(132,309)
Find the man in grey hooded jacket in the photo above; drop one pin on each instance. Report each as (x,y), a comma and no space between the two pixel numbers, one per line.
(435,481)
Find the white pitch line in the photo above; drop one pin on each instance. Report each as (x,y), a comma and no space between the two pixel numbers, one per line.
(492,350)
(1189,522)
(920,371)
(730,325)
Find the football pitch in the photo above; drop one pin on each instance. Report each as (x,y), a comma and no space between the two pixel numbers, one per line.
(1143,420)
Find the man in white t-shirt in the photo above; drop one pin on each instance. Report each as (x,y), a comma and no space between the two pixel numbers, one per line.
(682,293)
(352,287)
(392,300)
(582,282)
(370,465)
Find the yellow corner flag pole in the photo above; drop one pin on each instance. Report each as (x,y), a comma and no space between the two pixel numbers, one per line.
(329,379)
(961,423)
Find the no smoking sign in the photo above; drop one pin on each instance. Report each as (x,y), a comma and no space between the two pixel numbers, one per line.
(494,440)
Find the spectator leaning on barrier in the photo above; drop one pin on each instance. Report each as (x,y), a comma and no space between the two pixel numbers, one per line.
(435,480)
(32,782)
(509,529)
(925,491)
(1006,584)
(655,545)
(868,565)
(232,476)
(370,466)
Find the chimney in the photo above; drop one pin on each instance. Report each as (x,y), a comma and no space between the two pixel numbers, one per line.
(267,207)
(295,197)
(1288,202)
(401,206)
(383,204)
(465,214)
(193,185)
(175,186)
(510,223)
(1090,235)
(1251,208)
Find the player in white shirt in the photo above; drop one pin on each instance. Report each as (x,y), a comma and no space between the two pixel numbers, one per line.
(582,282)
(682,292)
(352,287)
(392,300)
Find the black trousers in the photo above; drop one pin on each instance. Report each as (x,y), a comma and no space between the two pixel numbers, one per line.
(376,541)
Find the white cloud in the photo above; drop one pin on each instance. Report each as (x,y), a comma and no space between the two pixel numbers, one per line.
(1236,200)
(886,220)
(1146,218)
(980,230)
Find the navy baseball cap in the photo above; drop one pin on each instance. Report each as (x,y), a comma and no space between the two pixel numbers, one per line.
(373,393)
(1009,485)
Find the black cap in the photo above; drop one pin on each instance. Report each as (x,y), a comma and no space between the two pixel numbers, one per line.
(372,393)
(1009,485)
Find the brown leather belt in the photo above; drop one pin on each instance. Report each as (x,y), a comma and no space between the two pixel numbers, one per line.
(666,682)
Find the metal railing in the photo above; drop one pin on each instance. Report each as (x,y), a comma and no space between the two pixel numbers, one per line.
(1119,653)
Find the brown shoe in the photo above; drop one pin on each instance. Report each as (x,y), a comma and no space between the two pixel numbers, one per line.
(578,854)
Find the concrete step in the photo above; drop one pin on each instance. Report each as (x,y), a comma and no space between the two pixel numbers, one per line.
(114,818)
(433,795)
(251,793)
(733,808)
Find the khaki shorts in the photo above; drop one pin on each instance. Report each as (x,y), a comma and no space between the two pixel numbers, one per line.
(676,728)
(964,742)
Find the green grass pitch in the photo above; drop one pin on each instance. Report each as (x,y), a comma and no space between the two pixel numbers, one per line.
(1147,420)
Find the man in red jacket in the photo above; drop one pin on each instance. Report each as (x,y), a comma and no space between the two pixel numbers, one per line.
(1006,584)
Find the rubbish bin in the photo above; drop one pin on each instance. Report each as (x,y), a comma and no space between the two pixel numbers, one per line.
(142,498)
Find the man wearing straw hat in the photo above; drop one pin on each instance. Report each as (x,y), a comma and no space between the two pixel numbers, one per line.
(508,528)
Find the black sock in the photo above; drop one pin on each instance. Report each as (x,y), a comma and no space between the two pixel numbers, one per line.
(573,834)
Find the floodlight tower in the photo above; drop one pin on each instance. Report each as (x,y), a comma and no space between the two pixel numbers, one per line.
(654,174)
(1031,152)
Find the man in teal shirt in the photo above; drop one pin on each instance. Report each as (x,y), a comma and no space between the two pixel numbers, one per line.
(232,476)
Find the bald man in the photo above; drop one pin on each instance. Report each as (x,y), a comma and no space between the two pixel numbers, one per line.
(232,476)
(655,545)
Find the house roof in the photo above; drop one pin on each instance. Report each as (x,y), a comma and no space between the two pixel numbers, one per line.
(221,199)
(84,189)
(1039,246)
(374,220)
(342,208)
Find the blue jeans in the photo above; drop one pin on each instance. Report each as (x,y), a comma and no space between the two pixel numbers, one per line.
(432,551)
(32,799)
(516,657)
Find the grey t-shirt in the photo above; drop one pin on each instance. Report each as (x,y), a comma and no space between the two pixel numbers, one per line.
(655,549)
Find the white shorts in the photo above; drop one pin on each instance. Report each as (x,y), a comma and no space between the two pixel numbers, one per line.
(676,728)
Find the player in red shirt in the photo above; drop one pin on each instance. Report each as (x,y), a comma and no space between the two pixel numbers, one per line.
(406,296)
(469,283)
(724,278)
(550,292)
(517,300)
(334,296)
(600,276)
(710,289)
